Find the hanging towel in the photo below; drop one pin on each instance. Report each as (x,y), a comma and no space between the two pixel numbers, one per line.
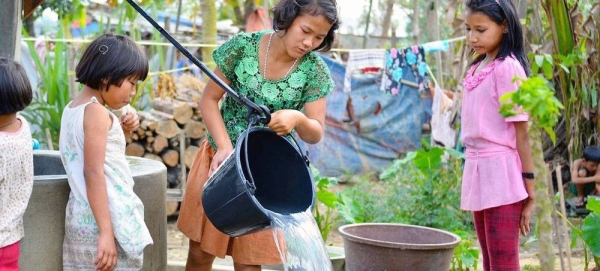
(441,119)
(404,66)
(358,60)
(434,46)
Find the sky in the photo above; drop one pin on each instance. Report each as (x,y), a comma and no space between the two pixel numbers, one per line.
(351,10)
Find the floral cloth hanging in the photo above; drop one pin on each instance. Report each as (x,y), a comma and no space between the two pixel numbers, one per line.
(405,66)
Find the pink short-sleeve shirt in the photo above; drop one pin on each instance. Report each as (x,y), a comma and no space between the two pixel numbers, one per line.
(492,173)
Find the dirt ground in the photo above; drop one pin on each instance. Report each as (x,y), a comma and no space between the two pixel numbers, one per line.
(178,247)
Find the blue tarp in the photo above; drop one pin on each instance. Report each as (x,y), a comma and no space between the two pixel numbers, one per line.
(366,129)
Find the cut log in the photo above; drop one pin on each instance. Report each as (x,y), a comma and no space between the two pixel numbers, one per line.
(173,176)
(146,116)
(170,158)
(181,111)
(153,157)
(141,133)
(172,207)
(134,149)
(160,115)
(167,128)
(194,129)
(175,142)
(190,153)
(160,143)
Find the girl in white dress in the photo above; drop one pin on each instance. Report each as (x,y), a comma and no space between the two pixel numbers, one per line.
(104,224)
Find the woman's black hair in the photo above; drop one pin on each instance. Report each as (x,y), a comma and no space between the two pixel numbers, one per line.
(592,154)
(501,11)
(15,89)
(285,11)
(109,60)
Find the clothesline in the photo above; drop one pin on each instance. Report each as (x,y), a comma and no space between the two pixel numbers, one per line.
(145,42)
(424,44)
(141,42)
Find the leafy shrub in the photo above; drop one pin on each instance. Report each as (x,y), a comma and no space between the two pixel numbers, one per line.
(421,189)
(325,219)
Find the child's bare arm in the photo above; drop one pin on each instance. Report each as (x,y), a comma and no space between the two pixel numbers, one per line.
(576,179)
(96,125)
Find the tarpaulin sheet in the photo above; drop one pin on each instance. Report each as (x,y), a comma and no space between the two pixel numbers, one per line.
(366,129)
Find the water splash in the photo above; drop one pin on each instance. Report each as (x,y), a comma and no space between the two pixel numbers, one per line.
(302,247)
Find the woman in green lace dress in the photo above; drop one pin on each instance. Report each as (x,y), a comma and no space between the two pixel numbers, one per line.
(281,71)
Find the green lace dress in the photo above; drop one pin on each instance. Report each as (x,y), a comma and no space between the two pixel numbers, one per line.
(238,60)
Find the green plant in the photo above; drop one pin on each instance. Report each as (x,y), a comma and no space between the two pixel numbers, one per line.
(325,219)
(465,254)
(590,230)
(535,96)
(46,108)
(421,189)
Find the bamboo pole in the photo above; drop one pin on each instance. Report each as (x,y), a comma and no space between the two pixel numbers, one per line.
(561,193)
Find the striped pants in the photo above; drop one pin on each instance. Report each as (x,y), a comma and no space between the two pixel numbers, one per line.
(498,233)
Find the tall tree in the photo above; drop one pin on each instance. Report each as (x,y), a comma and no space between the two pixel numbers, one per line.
(387,21)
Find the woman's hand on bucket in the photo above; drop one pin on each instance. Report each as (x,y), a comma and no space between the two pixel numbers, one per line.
(219,157)
(283,121)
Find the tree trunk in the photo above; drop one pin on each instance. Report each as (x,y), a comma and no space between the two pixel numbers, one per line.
(209,29)
(10,20)
(366,37)
(544,203)
(415,22)
(387,22)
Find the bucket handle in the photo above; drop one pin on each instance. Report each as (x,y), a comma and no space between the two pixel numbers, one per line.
(250,180)
(252,119)
(305,156)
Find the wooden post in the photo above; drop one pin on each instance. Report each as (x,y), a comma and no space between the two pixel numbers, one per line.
(565,228)
(183,173)
(10,20)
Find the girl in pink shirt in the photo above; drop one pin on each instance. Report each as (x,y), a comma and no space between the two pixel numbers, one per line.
(497,180)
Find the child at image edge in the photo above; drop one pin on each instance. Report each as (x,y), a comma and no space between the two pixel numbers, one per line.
(585,175)
(498,185)
(16,160)
(104,224)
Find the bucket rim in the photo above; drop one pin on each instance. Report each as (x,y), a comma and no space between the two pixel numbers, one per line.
(355,238)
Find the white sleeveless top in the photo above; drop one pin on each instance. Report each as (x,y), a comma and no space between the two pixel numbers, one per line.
(126,209)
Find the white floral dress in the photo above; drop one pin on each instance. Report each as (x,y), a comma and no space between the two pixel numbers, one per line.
(126,209)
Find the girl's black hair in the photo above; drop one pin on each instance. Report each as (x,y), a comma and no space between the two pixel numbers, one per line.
(285,11)
(501,11)
(15,89)
(109,60)
(592,154)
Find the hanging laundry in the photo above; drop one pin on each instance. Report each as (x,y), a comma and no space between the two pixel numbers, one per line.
(404,67)
(441,119)
(359,60)
(434,46)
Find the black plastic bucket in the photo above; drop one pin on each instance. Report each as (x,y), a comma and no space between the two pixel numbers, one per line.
(281,176)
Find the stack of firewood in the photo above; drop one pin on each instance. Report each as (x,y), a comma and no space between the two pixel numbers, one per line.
(172,130)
